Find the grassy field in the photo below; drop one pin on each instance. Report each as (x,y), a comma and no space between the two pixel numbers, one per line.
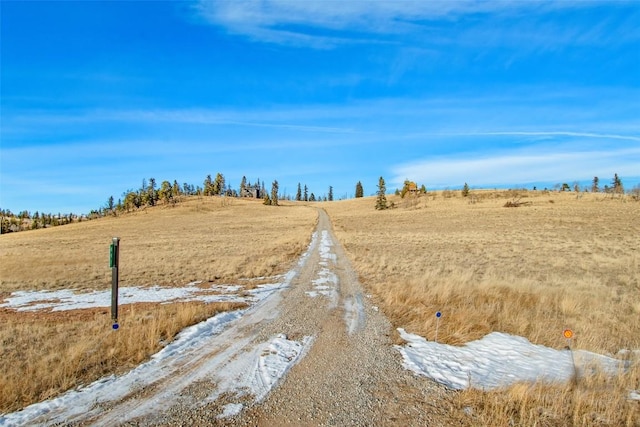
(207,239)
(557,261)
(201,239)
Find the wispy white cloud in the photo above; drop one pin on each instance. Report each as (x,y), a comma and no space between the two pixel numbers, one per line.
(511,168)
(509,117)
(556,133)
(324,24)
(524,109)
(246,118)
(285,118)
(381,16)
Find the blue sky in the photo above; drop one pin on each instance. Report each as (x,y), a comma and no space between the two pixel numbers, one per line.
(97,96)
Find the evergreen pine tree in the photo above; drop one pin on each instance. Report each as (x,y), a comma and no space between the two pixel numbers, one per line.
(208,186)
(243,185)
(595,186)
(465,190)
(165,192)
(152,194)
(306,193)
(617,185)
(175,189)
(218,185)
(274,193)
(299,193)
(359,190)
(381,201)
(406,185)
(330,193)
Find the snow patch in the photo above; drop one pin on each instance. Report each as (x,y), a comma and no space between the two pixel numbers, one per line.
(66,299)
(354,315)
(326,282)
(261,370)
(231,410)
(499,360)
(277,357)
(193,336)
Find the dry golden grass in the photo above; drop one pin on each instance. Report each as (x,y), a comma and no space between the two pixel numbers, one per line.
(201,239)
(43,354)
(590,402)
(558,261)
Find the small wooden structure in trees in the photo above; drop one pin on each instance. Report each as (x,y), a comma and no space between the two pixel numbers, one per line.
(252,191)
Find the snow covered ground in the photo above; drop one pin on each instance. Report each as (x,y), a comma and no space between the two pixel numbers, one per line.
(495,361)
(500,360)
(65,299)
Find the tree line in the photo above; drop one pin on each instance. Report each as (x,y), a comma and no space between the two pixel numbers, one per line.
(616,187)
(24,220)
(151,194)
(167,193)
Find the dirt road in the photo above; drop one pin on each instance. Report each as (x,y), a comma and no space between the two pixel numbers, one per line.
(352,375)
(340,367)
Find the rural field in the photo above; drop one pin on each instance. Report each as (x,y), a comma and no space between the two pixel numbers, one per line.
(556,261)
(203,239)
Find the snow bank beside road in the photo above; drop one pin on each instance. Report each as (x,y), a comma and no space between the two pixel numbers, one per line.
(499,360)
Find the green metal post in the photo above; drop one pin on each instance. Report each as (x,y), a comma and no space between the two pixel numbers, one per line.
(114,262)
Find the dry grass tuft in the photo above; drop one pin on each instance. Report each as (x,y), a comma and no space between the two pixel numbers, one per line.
(593,401)
(516,203)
